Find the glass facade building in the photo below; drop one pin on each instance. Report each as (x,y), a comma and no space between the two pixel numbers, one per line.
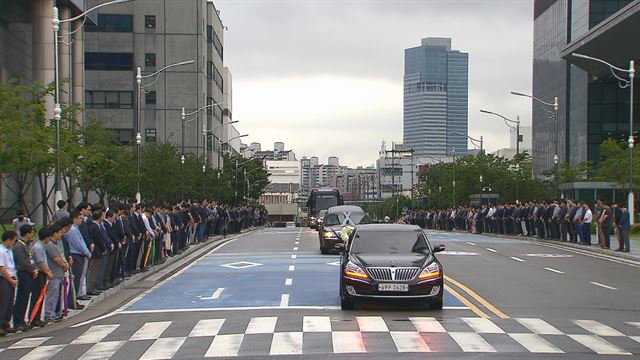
(435,98)
(592,107)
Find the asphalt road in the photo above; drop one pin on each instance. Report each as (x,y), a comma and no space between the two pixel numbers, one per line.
(270,294)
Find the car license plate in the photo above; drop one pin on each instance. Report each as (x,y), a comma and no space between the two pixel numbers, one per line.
(393,287)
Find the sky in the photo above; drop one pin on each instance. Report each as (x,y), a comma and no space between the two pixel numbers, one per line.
(326,76)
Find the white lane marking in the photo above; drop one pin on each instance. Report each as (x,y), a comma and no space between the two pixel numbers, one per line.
(316,324)
(215,296)
(427,324)
(347,342)
(28,343)
(225,345)
(163,348)
(245,308)
(286,343)
(103,350)
(295,248)
(539,326)
(292,267)
(603,285)
(150,330)
(492,250)
(535,343)
(409,341)
(483,326)
(597,328)
(516,258)
(554,270)
(598,345)
(634,323)
(455,308)
(471,243)
(208,327)
(294,256)
(636,338)
(94,334)
(297,243)
(288,282)
(43,352)
(471,342)
(284,300)
(371,323)
(586,253)
(261,325)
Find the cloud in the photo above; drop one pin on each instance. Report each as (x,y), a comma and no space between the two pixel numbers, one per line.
(282,53)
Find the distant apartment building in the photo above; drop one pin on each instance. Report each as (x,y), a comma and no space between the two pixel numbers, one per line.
(313,174)
(278,153)
(398,170)
(152,34)
(436,96)
(358,183)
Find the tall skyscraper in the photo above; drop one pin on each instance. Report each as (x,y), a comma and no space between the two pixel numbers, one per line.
(436,96)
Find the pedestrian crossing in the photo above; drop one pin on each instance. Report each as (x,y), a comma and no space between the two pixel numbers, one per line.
(289,334)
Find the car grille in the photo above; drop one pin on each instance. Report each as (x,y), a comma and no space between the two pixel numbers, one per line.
(393,274)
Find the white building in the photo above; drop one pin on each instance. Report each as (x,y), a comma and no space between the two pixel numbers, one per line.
(283,172)
(397,171)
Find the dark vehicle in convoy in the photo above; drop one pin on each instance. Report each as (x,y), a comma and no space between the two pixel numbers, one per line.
(320,219)
(321,199)
(390,262)
(333,221)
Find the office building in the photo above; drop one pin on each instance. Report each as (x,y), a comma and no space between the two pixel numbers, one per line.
(397,170)
(435,98)
(592,105)
(152,34)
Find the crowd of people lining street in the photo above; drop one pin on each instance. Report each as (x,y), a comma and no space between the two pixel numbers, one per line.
(562,220)
(93,248)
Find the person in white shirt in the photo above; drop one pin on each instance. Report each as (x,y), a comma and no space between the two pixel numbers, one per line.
(586,224)
(8,281)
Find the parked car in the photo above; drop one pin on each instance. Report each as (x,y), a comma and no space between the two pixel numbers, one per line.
(390,262)
(333,221)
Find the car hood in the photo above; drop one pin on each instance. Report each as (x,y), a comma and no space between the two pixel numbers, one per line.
(393,260)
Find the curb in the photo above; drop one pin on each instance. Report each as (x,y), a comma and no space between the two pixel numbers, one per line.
(591,248)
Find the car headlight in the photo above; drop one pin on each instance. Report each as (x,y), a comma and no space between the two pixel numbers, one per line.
(432,271)
(354,271)
(329,235)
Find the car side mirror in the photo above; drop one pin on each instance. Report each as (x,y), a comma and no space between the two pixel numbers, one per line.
(340,247)
(438,248)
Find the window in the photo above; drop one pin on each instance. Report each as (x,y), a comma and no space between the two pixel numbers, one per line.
(150,98)
(150,60)
(108,61)
(150,135)
(209,34)
(212,38)
(217,78)
(111,23)
(209,70)
(108,99)
(150,21)
(124,136)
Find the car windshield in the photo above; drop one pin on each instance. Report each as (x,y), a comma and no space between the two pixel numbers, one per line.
(390,242)
(326,201)
(352,219)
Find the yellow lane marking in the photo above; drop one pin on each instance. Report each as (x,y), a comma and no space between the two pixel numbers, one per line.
(466,302)
(478,298)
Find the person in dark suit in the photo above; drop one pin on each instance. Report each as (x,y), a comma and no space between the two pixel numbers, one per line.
(563,220)
(109,225)
(624,227)
(99,250)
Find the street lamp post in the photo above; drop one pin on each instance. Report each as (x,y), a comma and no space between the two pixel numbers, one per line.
(482,190)
(182,177)
(624,83)
(57,108)
(507,121)
(474,141)
(139,86)
(205,131)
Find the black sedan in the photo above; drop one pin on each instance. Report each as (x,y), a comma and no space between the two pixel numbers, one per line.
(390,261)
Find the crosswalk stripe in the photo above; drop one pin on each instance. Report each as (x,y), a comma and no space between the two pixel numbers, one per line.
(636,338)
(471,342)
(372,324)
(634,323)
(535,343)
(427,324)
(150,330)
(43,352)
(539,326)
(261,325)
(102,350)
(483,326)
(28,343)
(95,334)
(597,328)
(163,348)
(208,327)
(598,345)
(225,345)
(316,324)
(347,342)
(286,343)
(409,341)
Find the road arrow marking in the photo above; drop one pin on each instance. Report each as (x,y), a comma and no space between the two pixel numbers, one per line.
(215,296)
